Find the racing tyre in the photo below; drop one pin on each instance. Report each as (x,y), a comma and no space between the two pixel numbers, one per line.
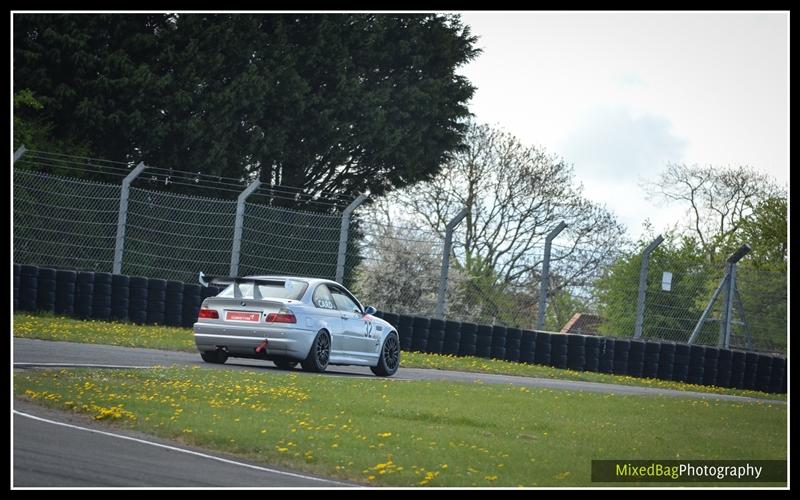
(218,357)
(390,357)
(319,354)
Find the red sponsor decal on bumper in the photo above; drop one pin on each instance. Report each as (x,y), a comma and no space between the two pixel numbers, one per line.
(242,316)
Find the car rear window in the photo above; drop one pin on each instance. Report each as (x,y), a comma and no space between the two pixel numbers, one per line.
(283,289)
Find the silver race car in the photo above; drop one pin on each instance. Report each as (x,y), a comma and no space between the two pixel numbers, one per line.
(290,320)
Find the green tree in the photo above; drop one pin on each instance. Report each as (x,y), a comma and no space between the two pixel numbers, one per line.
(338,103)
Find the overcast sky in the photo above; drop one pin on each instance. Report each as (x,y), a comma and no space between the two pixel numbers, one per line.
(620,94)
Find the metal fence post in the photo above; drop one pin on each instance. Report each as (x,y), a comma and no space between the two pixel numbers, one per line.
(448,243)
(731,292)
(343,233)
(546,273)
(123,216)
(238,224)
(19,152)
(643,285)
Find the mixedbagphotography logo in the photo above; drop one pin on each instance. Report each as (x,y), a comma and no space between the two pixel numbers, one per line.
(679,471)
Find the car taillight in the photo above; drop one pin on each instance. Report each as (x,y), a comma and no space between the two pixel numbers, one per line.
(208,313)
(282,316)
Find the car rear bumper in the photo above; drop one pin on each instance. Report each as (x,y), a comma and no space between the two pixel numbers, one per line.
(243,340)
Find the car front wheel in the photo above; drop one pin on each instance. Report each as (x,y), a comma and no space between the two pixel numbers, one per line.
(319,354)
(389,361)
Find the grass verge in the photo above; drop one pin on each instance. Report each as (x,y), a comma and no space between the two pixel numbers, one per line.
(49,327)
(411,433)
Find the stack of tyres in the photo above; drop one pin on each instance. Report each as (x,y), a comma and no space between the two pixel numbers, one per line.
(544,348)
(191,304)
(636,358)
(65,292)
(778,380)
(697,363)
(156,301)
(84,294)
(405,329)
(592,353)
(710,366)
(120,297)
(558,350)
(379,314)
(621,349)
(392,319)
(607,347)
(666,361)
(101,302)
(468,343)
(419,337)
(764,372)
(652,351)
(576,352)
(737,369)
(435,336)
(29,283)
(17,274)
(173,305)
(452,337)
(680,371)
(137,311)
(750,368)
(513,344)
(483,343)
(498,349)
(724,363)
(46,289)
(527,347)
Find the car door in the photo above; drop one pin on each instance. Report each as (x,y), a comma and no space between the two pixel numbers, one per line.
(357,334)
(326,310)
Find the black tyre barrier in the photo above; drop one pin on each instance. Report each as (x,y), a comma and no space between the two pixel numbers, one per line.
(28,286)
(469,339)
(156,300)
(621,349)
(778,379)
(724,362)
(710,363)
(764,372)
(737,369)
(513,340)
(405,333)
(435,336)
(606,353)
(120,297)
(452,337)
(173,307)
(17,274)
(155,312)
(592,353)
(101,300)
(576,352)
(652,351)
(483,343)
(558,350)
(750,368)
(65,292)
(46,289)
(392,319)
(84,294)
(666,361)
(527,346)
(419,338)
(498,349)
(191,304)
(697,356)
(636,358)
(544,348)
(137,303)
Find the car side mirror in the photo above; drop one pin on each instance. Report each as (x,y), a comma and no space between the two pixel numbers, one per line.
(370,310)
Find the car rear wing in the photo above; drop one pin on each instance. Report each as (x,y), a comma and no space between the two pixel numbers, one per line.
(206,280)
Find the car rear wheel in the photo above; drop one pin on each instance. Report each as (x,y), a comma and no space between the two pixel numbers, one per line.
(285,365)
(219,356)
(319,354)
(389,361)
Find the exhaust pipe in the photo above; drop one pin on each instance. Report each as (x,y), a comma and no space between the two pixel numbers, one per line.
(262,347)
